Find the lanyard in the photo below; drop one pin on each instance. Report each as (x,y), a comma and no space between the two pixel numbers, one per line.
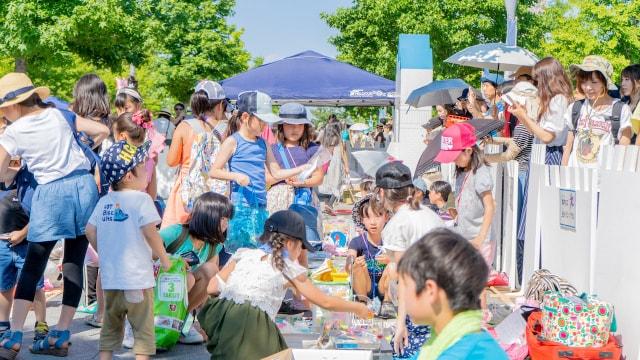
(464,182)
(374,270)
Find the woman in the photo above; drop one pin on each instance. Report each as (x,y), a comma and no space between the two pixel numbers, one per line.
(630,86)
(598,120)
(61,206)
(208,104)
(490,90)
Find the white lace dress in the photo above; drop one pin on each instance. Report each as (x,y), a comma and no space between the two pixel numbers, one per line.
(255,280)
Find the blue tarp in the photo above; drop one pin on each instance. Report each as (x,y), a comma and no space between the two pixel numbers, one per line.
(314,79)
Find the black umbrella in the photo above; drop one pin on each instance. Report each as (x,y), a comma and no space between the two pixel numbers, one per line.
(483,128)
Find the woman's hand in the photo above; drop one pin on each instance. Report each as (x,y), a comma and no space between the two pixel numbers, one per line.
(401,337)
(242,179)
(17,237)
(518,110)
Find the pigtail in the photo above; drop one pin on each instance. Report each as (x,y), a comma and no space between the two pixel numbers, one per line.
(413,199)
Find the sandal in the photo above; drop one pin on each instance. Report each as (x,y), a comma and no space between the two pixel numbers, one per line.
(44,347)
(7,352)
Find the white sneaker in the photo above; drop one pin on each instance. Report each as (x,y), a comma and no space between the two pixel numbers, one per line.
(192,337)
(127,342)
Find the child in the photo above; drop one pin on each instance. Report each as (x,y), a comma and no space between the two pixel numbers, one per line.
(409,222)
(128,99)
(199,241)
(439,198)
(240,321)
(126,219)
(62,201)
(293,148)
(249,158)
(366,249)
(441,279)
(421,190)
(474,200)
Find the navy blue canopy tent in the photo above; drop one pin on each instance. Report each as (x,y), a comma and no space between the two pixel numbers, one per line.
(312,79)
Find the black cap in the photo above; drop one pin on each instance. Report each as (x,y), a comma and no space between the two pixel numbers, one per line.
(393,175)
(289,223)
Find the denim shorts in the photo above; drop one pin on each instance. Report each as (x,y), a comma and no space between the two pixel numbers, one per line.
(62,208)
(11,263)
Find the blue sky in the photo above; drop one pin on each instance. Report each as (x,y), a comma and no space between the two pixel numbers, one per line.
(275,29)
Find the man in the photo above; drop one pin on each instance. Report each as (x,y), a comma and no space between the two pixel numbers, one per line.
(164,125)
(180,114)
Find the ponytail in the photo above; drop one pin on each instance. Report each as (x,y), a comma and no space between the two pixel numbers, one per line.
(201,104)
(405,195)
(134,125)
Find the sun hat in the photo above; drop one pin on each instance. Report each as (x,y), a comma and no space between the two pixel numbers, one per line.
(17,87)
(310,216)
(164,112)
(494,78)
(258,104)
(393,175)
(522,71)
(289,223)
(294,114)
(596,63)
(454,140)
(213,89)
(121,158)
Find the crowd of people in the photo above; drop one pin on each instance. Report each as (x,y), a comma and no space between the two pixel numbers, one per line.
(244,211)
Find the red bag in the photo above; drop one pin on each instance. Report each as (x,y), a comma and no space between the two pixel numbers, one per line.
(549,350)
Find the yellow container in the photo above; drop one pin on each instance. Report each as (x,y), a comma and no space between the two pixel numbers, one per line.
(339,276)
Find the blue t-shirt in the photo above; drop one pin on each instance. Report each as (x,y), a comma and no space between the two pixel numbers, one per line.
(475,346)
(249,159)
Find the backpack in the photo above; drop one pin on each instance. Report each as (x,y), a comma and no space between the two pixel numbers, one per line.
(616,114)
(86,145)
(204,150)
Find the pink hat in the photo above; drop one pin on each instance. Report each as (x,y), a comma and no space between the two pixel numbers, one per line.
(454,140)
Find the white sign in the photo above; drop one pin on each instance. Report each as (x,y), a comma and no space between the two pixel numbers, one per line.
(568,209)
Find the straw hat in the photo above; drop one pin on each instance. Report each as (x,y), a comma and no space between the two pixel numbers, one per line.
(596,63)
(17,87)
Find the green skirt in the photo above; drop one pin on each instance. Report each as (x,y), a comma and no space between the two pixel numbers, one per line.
(241,332)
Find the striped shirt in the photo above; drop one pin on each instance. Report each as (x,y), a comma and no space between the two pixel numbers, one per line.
(524,139)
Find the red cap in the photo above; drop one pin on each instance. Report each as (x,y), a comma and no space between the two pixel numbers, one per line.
(454,140)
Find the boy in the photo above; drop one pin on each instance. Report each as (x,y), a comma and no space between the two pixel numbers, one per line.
(369,262)
(438,197)
(122,229)
(441,278)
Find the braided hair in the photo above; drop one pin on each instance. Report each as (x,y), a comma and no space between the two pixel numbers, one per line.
(277,242)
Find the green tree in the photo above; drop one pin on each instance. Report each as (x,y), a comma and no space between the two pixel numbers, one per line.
(566,29)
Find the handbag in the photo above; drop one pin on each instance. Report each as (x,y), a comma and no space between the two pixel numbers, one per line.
(247,223)
(576,321)
(301,195)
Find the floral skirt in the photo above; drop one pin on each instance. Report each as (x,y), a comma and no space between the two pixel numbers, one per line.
(418,335)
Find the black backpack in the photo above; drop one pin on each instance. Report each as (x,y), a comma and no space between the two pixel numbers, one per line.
(616,114)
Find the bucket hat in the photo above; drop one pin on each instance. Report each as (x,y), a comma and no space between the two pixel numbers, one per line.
(294,114)
(596,63)
(17,87)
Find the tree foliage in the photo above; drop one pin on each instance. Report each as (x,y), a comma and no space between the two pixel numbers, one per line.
(567,29)
(173,43)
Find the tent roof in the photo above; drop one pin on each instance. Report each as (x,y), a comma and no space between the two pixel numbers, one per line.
(314,79)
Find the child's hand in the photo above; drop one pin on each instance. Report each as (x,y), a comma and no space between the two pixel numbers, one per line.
(383,259)
(363,312)
(242,179)
(360,261)
(16,237)
(400,338)
(166,263)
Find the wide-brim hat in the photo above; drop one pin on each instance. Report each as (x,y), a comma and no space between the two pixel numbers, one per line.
(596,63)
(17,87)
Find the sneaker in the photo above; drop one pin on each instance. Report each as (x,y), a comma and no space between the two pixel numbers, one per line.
(93,321)
(192,337)
(41,330)
(127,342)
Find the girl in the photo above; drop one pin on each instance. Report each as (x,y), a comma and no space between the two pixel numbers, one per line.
(555,94)
(91,99)
(630,86)
(128,99)
(409,222)
(294,148)
(61,206)
(474,200)
(208,104)
(199,241)
(593,126)
(249,158)
(240,321)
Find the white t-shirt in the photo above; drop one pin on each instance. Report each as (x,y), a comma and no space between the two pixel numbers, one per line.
(46,144)
(407,226)
(553,120)
(593,132)
(126,261)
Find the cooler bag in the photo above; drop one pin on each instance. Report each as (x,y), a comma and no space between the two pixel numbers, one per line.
(540,349)
(170,303)
(576,321)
